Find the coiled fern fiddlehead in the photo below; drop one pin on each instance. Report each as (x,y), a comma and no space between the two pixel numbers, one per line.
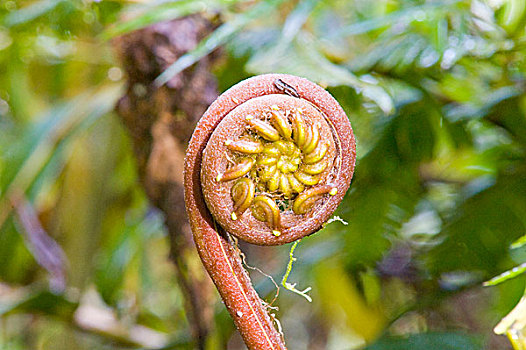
(269,162)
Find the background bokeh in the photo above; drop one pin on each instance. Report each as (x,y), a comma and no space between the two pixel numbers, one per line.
(435,91)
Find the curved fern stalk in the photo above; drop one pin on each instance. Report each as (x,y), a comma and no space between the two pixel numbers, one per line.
(268,162)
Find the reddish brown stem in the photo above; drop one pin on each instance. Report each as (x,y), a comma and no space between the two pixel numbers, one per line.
(218,254)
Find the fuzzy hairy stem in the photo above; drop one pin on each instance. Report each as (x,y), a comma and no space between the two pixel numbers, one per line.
(206,193)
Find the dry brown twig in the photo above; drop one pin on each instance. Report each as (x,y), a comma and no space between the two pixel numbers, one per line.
(160,122)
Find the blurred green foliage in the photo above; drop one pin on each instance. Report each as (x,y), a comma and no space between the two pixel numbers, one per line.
(435,91)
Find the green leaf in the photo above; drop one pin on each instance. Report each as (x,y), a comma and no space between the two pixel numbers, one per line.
(30,12)
(402,16)
(16,262)
(429,341)
(118,254)
(399,52)
(297,18)
(477,110)
(154,14)
(519,243)
(40,144)
(43,302)
(220,36)
(516,271)
(304,59)
(479,235)
(387,187)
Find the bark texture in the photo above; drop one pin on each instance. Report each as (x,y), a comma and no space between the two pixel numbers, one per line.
(160,122)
